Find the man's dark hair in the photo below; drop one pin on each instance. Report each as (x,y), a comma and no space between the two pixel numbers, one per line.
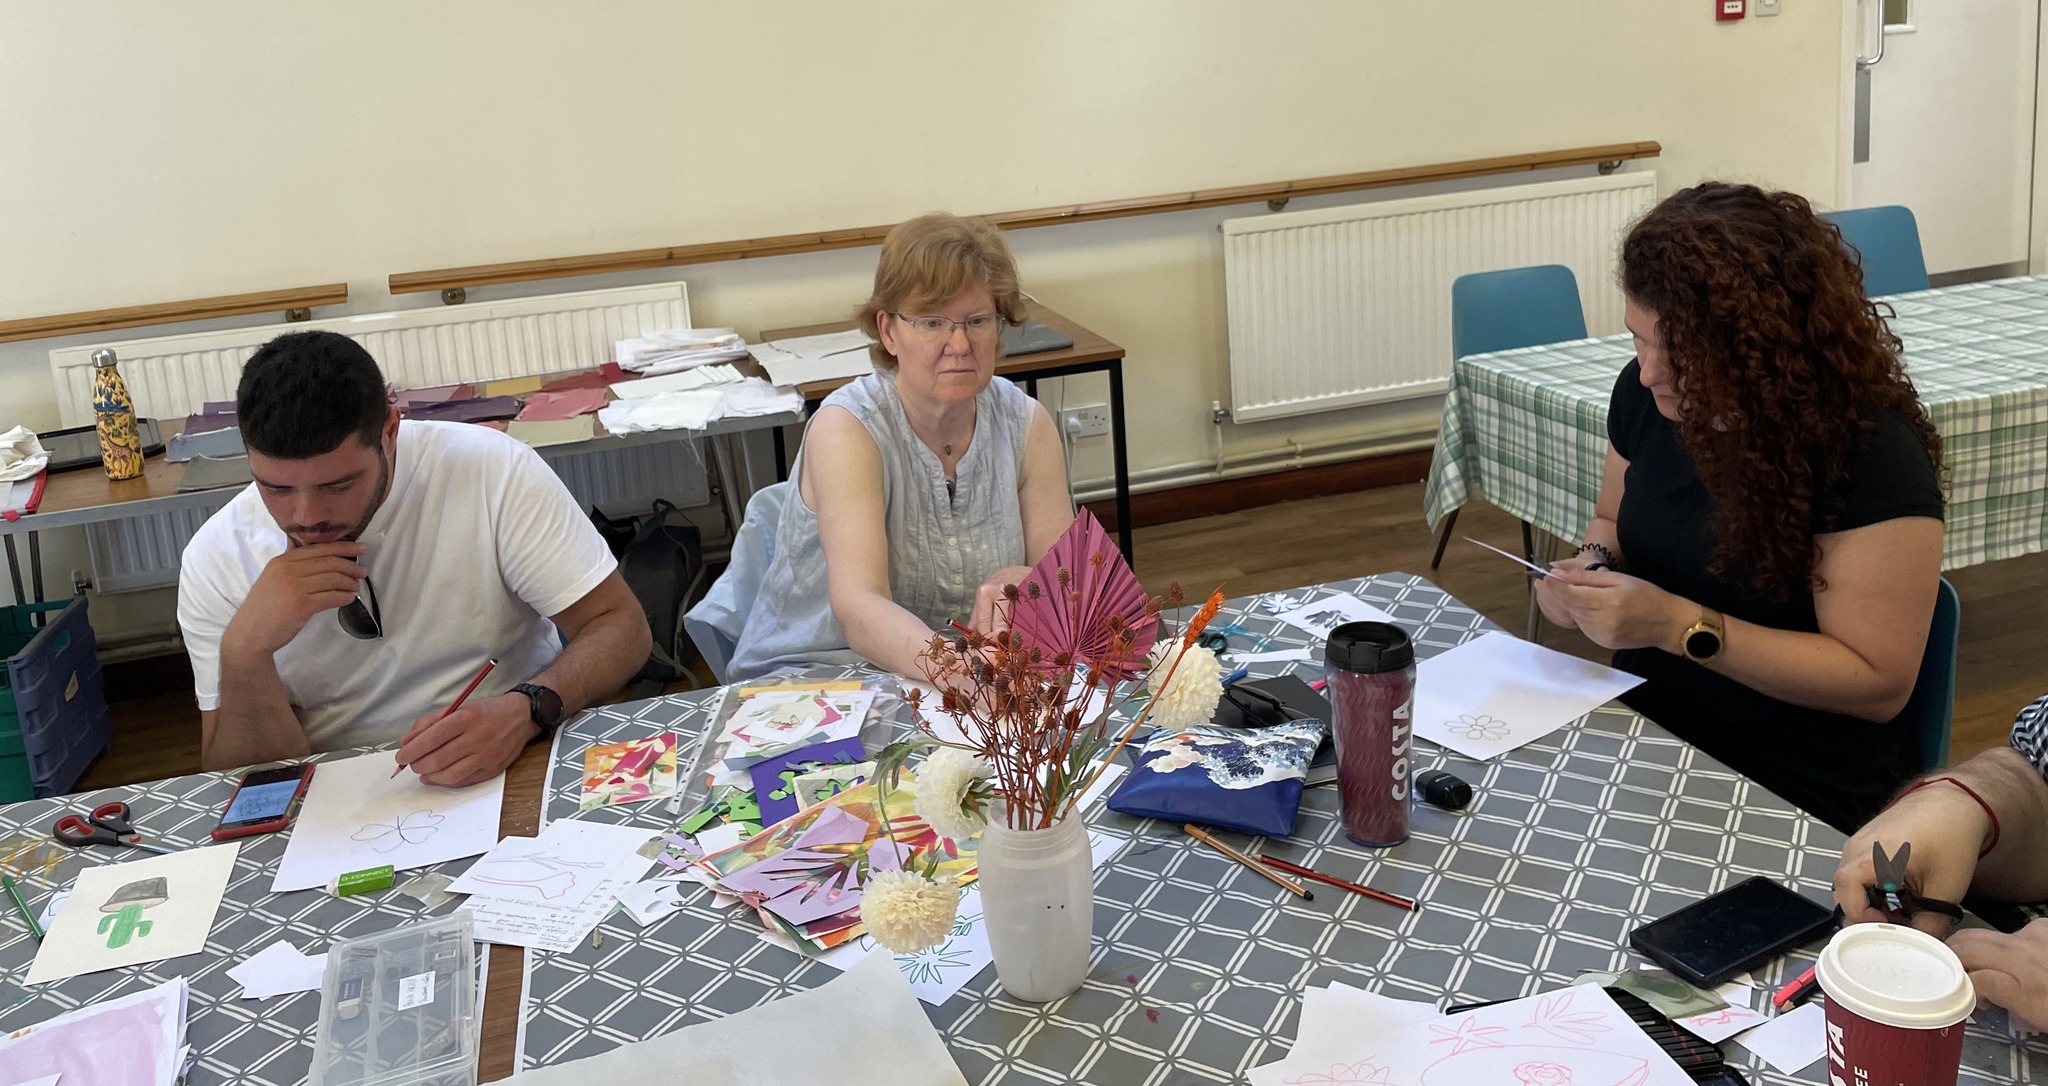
(304,393)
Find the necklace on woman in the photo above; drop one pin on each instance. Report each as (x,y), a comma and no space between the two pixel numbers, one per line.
(949,450)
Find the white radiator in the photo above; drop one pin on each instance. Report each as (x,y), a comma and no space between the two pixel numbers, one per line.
(172,376)
(1352,305)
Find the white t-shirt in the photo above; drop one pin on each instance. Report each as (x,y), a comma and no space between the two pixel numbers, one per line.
(476,545)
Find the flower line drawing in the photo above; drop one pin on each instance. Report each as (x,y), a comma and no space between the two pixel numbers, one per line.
(1362,1073)
(406,829)
(1478,726)
(1552,1019)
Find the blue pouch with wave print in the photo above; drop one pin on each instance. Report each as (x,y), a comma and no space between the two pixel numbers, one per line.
(1243,779)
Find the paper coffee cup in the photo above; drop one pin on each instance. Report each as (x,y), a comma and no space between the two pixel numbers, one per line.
(1897,1002)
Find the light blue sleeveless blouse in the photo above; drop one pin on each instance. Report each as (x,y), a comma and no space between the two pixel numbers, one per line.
(941,546)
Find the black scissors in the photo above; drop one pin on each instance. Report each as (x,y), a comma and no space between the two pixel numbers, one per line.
(1891,894)
(108,824)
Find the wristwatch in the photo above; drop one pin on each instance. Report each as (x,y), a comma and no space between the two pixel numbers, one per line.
(546,706)
(1703,639)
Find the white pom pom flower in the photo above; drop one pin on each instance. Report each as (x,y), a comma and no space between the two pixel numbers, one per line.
(1190,699)
(953,793)
(907,912)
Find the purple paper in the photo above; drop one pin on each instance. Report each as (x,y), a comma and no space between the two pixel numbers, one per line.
(217,407)
(210,421)
(420,397)
(801,884)
(545,406)
(774,791)
(494,409)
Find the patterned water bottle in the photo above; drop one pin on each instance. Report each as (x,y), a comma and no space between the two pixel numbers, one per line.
(120,444)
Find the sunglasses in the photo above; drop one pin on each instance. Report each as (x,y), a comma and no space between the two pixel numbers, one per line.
(364,622)
(1258,709)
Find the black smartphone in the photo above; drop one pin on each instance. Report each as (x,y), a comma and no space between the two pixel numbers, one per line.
(262,803)
(1739,928)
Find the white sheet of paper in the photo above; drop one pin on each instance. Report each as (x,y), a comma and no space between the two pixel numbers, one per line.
(357,815)
(140,911)
(556,928)
(279,969)
(699,377)
(1790,1041)
(718,837)
(1497,692)
(1515,558)
(561,867)
(137,1040)
(802,359)
(1571,1035)
(1277,656)
(937,974)
(1335,1020)
(1330,612)
(862,1028)
(1714,1027)
(51,906)
(649,901)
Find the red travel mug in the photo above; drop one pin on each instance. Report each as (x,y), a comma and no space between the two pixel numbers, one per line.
(1370,667)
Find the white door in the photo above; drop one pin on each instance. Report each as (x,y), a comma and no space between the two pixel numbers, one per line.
(1944,123)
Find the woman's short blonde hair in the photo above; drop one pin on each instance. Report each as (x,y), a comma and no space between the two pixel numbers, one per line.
(928,261)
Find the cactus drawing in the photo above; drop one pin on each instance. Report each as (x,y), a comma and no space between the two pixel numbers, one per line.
(124,922)
(123,926)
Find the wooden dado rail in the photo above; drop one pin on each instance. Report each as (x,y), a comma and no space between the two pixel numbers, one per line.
(298,299)
(451,281)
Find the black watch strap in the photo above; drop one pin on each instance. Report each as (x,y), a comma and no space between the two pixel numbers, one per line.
(546,707)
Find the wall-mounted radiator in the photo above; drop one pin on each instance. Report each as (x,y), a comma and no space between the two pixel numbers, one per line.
(173,376)
(1352,305)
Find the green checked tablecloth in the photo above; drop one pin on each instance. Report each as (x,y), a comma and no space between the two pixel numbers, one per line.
(1527,429)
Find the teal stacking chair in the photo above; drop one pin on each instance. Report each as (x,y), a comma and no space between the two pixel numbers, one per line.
(1886,241)
(1502,310)
(1932,707)
(714,624)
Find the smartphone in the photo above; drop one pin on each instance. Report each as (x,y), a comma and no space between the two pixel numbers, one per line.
(263,801)
(1737,929)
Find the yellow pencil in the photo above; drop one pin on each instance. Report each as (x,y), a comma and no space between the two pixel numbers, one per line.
(1287,884)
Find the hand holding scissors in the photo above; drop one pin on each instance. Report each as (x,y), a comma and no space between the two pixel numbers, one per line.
(108,824)
(1893,896)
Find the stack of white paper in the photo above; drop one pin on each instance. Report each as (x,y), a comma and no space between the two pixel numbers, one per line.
(683,381)
(689,410)
(678,349)
(814,358)
(753,397)
(136,1040)
(550,891)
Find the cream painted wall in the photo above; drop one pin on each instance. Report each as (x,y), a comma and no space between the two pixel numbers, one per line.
(156,152)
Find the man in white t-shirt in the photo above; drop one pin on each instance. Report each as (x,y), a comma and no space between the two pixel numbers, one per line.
(351,593)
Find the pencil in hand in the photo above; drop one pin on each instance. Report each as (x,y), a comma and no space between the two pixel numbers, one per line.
(1287,884)
(457,704)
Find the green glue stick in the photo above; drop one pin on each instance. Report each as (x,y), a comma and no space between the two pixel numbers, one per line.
(369,880)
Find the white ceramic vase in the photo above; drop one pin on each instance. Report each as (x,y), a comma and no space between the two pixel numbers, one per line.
(1038,904)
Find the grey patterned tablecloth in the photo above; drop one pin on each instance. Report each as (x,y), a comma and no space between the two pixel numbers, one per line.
(1526,430)
(1200,965)
(253,1042)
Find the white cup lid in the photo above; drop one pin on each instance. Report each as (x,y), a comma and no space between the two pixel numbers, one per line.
(1896,975)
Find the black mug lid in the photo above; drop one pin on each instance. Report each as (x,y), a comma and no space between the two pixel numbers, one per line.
(1369,647)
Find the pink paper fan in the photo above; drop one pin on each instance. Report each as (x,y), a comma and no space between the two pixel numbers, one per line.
(1076,620)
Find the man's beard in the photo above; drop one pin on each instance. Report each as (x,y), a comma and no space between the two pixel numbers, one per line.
(378,492)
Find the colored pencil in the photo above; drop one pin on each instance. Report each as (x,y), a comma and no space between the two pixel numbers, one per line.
(20,906)
(1799,989)
(1376,895)
(459,699)
(1289,885)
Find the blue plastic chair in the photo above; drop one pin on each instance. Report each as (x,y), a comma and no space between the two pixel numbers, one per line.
(714,624)
(1932,707)
(1501,310)
(1886,241)
(1516,307)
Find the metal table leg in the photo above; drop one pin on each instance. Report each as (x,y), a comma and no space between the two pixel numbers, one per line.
(14,569)
(1443,538)
(35,562)
(1123,459)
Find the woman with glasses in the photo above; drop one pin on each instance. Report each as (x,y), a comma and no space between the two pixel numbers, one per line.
(922,488)
(1766,547)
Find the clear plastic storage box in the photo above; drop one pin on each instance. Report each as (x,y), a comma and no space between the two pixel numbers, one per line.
(398,1008)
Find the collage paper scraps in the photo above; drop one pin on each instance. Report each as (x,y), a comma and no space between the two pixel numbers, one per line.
(357,815)
(1576,1035)
(1714,1027)
(629,772)
(775,778)
(773,721)
(803,875)
(1330,612)
(279,969)
(136,1040)
(562,867)
(135,912)
(1497,692)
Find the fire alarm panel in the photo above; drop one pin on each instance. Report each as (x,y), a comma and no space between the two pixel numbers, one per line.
(1730,10)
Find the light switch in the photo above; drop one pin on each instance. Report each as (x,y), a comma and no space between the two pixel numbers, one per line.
(1766,7)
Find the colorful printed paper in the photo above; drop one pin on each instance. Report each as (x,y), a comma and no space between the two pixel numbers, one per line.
(135,912)
(774,721)
(629,772)
(775,777)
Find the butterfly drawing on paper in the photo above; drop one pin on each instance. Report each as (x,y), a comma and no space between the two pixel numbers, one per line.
(394,833)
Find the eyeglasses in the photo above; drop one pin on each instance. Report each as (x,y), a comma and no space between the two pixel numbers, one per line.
(360,621)
(979,326)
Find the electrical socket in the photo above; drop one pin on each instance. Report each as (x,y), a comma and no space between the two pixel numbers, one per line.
(1088,420)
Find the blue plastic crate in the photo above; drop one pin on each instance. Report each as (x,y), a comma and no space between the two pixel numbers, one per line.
(53,710)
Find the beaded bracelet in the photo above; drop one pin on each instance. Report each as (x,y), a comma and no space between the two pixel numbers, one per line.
(1969,791)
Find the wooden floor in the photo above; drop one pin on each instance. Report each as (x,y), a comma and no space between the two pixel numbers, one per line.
(2002,662)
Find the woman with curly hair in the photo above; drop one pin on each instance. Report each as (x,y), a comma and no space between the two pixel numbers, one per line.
(1766,548)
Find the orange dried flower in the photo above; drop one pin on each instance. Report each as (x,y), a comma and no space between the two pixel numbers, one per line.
(1202,617)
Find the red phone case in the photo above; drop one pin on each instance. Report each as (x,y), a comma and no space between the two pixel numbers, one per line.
(221,833)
